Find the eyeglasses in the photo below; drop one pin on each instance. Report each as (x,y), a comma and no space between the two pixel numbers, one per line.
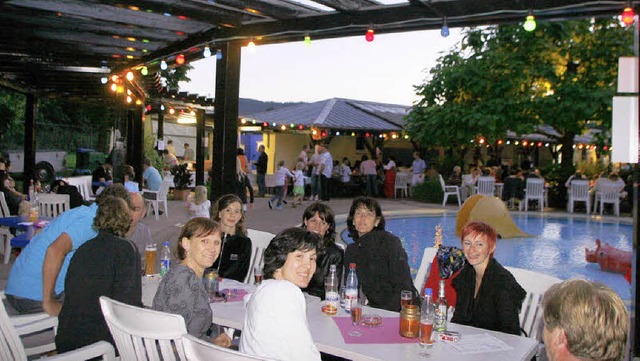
(317,222)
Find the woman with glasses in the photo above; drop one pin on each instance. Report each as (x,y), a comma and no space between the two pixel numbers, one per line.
(320,219)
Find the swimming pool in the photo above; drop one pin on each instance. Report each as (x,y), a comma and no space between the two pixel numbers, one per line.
(556,247)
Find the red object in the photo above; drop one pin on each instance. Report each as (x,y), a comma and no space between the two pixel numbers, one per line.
(433,282)
(610,258)
(390,183)
(370,35)
(628,16)
(180,59)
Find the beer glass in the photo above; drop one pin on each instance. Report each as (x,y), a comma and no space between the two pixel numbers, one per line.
(150,251)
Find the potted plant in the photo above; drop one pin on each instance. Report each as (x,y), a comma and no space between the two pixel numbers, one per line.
(181,181)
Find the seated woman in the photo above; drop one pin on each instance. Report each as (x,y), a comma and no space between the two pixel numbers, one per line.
(235,256)
(319,218)
(487,294)
(275,325)
(381,262)
(181,290)
(107,265)
(12,198)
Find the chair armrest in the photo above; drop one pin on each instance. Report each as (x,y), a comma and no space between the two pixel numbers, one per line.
(154,193)
(98,349)
(23,319)
(38,325)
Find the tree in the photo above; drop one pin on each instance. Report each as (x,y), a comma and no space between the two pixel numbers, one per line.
(504,78)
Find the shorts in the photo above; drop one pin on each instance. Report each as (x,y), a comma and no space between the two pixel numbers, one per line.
(298,190)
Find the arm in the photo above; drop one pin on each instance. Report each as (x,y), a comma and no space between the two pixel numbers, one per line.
(399,274)
(53,260)
(507,309)
(290,308)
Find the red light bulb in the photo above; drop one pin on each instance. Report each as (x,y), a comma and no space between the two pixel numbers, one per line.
(180,59)
(370,35)
(627,16)
(265,124)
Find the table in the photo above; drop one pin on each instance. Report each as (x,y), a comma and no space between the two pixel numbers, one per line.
(328,338)
(27,229)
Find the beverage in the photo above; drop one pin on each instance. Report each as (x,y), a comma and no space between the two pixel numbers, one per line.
(258,279)
(440,321)
(406,298)
(165,259)
(331,295)
(351,289)
(356,314)
(211,282)
(410,321)
(150,256)
(427,316)
(257,275)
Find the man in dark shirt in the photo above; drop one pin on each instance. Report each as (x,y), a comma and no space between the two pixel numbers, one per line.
(102,176)
(261,170)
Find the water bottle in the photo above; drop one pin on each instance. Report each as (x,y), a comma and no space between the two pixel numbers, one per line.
(32,191)
(165,259)
(427,317)
(331,296)
(440,322)
(351,289)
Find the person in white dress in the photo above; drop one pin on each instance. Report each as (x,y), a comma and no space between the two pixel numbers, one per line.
(280,330)
(200,205)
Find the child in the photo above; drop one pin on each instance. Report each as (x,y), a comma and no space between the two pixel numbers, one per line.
(298,185)
(281,176)
(200,206)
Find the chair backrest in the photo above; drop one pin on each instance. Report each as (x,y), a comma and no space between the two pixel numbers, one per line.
(198,350)
(164,189)
(83,183)
(535,188)
(402,180)
(442,185)
(610,193)
(423,270)
(52,205)
(144,334)
(4,209)
(259,242)
(486,186)
(579,189)
(536,284)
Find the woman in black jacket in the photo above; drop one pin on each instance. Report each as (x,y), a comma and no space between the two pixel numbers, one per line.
(381,261)
(319,218)
(235,256)
(487,295)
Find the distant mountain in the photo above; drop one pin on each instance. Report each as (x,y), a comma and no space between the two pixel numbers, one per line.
(251,106)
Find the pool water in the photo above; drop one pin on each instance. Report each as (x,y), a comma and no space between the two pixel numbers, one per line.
(556,247)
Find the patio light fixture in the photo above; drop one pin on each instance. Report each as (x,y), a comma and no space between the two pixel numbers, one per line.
(628,15)
(444,31)
(369,36)
(530,22)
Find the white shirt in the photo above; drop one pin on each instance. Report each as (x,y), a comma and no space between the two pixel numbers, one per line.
(346,174)
(299,176)
(327,161)
(200,210)
(281,175)
(275,324)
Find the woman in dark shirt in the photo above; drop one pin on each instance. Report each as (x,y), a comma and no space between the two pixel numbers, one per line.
(488,296)
(320,219)
(235,257)
(107,265)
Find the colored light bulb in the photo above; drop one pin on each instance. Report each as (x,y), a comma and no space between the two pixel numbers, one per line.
(207,52)
(369,35)
(163,65)
(530,23)
(218,54)
(307,40)
(180,59)
(628,16)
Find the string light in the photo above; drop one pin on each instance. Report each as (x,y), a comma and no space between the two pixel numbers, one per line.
(180,59)
(163,65)
(144,71)
(104,80)
(370,35)
(444,31)
(530,22)
(207,52)
(129,76)
(628,15)
(218,54)
(307,40)
(251,45)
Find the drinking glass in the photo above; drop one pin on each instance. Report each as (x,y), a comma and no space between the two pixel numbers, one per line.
(406,297)
(424,339)
(257,273)
(150,258)
(356,311)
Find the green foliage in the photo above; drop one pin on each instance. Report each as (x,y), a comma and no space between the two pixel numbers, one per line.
(181,176)
(11,116)
(504,78)
(430,191)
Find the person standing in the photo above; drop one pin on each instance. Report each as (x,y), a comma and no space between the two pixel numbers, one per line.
(368,170)
(170,147)
(325,172)
(417,168)
(261,171)
(189,153)
(316,167)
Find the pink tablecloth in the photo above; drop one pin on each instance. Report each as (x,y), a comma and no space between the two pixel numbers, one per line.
(388,332)
(232,295)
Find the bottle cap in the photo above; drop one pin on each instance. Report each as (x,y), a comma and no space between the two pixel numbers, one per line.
(428,292)
(332,267)
(166,243)
(352,265)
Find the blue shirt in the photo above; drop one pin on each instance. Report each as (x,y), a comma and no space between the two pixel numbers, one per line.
(25,278)
(419,166)
(153,178)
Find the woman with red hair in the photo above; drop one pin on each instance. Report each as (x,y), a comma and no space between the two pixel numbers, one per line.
(488,296)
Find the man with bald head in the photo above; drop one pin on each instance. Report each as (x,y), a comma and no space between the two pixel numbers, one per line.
(138,233)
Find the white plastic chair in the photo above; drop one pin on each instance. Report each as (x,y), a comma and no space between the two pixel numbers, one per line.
(425,265)
(449,191)
(157,197)
(52,205)
(534,191)
(5,233)
(199,350)
(11,347)
(609,194)
(536,284)
(579,192)
(402,184)
(83,183)
(486,186)
(259,242)
(144,334)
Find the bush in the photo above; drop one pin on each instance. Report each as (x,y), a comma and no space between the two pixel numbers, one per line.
(429,191)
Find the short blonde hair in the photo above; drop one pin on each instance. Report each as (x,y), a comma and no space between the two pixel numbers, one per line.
(201,194)
(592,316)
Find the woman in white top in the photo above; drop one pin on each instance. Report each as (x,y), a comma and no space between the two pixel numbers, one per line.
(200,205)
(275,325)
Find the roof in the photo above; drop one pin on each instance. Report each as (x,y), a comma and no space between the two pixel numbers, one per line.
(339,113)
(61,48)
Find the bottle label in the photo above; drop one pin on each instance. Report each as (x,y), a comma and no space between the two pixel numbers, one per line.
(165,265)
(332,299)
(350,294)
(440,322)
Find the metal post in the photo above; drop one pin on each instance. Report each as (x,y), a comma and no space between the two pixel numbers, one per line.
(30,111)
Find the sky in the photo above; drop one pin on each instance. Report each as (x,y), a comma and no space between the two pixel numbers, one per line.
(385,70)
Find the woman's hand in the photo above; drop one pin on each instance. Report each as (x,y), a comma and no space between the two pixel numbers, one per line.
(222,340)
